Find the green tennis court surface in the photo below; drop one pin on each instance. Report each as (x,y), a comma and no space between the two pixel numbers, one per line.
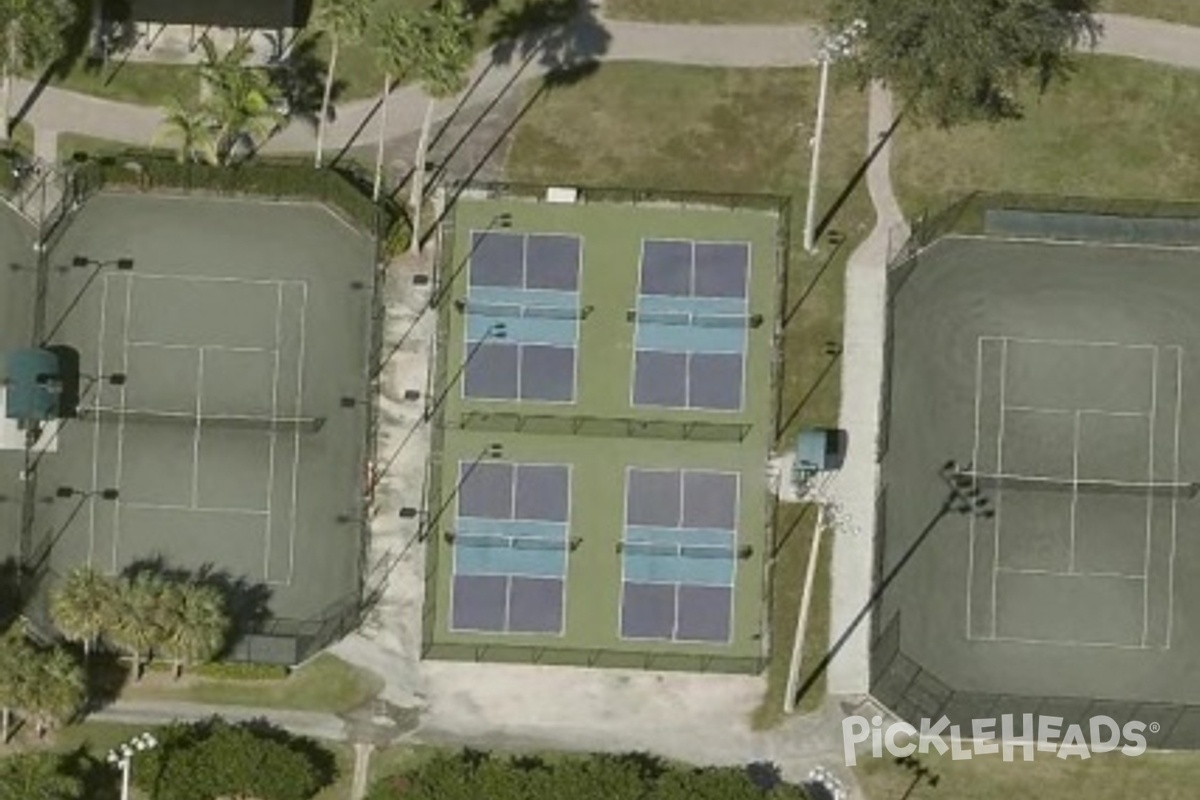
(1057,375)
(239,327)
(608,378)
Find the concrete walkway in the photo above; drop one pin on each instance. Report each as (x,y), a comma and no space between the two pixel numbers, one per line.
(590,39)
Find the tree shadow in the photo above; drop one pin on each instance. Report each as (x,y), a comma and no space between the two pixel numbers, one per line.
(561,34)
(246,602)
(300,80)
(106,675)
(98,779)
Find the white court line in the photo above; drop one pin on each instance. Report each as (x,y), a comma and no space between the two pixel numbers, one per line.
(1099,412)
(222,347)
(1069,643)
(296,434)
(116,534)
(255,512)
(1074,242)
(974,482)
(1149,497)
(1000,469)
(96,424)
(218,279)
(196,433)
(1074,492)
(1174,500)
(1070,342)
(1049,573)
(273,435)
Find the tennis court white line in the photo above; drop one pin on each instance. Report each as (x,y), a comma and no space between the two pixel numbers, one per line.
(219,279)
(221,347)
(296,434)
(1149,500)
(1000,469)
(1074,491)
(96,425)
(974,483)
(1066,643)
(1174,500)
(120,467)
(1098,412)
(1070,342)
(1074,242)
(1049,573)
(255,512)
(273,435)
(196,432)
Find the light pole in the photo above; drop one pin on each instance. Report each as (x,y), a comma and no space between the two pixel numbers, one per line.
(82,262)
(831,49)
(122,755)
(497,330)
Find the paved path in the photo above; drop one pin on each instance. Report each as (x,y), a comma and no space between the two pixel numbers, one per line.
(590,39)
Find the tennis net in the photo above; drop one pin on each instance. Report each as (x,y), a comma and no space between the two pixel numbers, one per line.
(678,550)
(521,311)
(694,320)
(1090,485)
(492,540)
(231,421)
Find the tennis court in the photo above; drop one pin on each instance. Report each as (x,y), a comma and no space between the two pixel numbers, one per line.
(225,434)
(1056,375)
(563,548)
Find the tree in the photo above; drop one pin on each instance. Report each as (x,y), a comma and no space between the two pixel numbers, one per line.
(955,61)
(192,128)
(137,624)
(391,38)
(17,664)
(32,38)
(436,44)
(55,690)
(346,22)
(37,776)
(82,606)
(195,624)
(214,758)
(241,101)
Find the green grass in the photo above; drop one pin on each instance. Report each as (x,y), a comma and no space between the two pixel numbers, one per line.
(1118,128)
(147,84)
(717,11)
(1172,776)
(1185,11)
(324,684)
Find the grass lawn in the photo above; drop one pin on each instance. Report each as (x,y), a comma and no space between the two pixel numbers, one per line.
(1172,776)
(1118,128)
(148,84)
(1185,11)
(702,129)
(324,684)
(717,11)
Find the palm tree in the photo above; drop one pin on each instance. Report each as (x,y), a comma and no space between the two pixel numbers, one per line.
(56,691)
(137,627)
(241,101)
(391,39)
(438,56)
(18,661)
(83,607)
(32,37)
(38,776)
(196,624)
(192,128)
(346,22)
